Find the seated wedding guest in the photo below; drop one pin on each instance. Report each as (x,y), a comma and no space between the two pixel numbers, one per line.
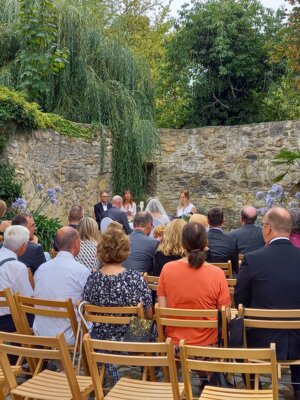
(192,283)
(89,238)
(142,246)
(13,273)
(158,232)
(59,279)
(101,207)
(249,236)
(185,207)
(295,234)
(270,278)
(170,248)
(34,255)
(129,206)
(115,286)
(221,247)
(3,223)
(200,219)
(75,215)
(155,208)
(116,214)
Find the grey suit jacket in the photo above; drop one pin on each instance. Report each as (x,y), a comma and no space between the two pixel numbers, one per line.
(248,237)
(117,215)
(142,251)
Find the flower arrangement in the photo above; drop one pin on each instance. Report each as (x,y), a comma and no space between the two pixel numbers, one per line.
(47,197)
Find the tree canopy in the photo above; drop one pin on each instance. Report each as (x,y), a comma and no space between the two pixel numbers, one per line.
(217,61)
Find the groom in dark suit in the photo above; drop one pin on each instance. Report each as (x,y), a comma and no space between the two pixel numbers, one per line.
(101,207)
(270,278)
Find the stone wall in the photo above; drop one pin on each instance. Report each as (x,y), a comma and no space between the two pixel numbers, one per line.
(223,166)
(220,166)
(52,159)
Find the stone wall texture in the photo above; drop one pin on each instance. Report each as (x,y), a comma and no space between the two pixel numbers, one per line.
(220,166)
(223,166)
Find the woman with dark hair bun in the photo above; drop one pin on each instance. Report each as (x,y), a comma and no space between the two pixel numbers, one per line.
(192,283)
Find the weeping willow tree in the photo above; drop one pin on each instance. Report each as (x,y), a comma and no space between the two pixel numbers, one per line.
(101,81)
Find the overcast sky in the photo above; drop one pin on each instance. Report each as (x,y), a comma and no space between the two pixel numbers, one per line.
(176,4)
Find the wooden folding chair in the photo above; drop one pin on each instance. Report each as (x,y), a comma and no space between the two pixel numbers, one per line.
(226,267)
(231,284)
(46,385)
(270,319)
(7,301)
(45,308)
(152,281)
(108,315)
(233,361)
(140,354)
(175,317)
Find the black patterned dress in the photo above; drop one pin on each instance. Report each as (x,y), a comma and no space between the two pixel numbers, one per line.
(127,288)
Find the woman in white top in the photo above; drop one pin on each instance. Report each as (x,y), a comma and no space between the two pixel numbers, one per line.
(129,206)
(157,211)
(185,207)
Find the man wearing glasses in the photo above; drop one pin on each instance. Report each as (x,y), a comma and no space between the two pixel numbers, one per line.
(270,278)
(101,207)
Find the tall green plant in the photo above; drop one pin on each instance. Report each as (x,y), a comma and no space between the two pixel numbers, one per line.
(102,81)
(39,55)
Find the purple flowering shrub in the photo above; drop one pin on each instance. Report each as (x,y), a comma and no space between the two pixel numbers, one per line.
(46,227)
(276,196)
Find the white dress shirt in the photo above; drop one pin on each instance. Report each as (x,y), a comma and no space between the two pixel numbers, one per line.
(13,275)
(59,279)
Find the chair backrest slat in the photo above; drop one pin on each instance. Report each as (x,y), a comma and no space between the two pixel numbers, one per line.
(148,354)
(46,308)
(187,318)
(30,346)
(226,267)
(152,281)
(237,361)
(110,315)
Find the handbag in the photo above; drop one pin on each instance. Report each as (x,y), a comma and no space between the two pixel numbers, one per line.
(138,330)
(236,332)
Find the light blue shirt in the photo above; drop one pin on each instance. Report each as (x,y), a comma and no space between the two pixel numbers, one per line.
(59,279)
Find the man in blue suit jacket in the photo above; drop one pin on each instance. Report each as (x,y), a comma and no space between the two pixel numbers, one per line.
(270,278)
(101,207)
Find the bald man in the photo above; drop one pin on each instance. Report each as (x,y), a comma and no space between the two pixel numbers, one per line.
(270,278)
(59,279)
(249,236)
(117,215)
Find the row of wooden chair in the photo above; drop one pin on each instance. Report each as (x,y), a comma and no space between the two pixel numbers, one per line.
(49,385)
(152,282)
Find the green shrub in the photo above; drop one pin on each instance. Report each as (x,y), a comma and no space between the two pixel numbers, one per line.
(10,188)
(46,230)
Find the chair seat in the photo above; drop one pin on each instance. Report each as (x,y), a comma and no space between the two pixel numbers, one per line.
(50,385)
(219,393)
(3,386)
(132,389)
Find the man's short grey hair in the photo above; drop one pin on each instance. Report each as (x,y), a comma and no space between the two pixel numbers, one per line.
(15,236)
(116,199)
(142,219)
